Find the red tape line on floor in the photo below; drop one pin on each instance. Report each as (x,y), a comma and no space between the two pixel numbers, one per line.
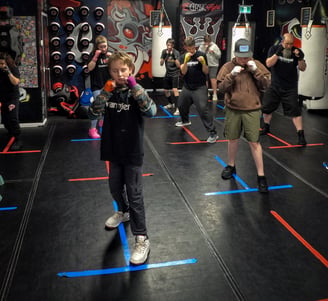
(300,238)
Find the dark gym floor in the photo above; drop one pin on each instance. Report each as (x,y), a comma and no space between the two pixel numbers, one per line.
(210,239)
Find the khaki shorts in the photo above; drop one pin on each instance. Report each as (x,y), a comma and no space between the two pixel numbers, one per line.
(212,72)
(238,122)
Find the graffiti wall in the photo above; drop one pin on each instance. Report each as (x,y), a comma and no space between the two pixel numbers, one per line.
(127,26)
(201,17)
(74,25)
(129,30)
(18,31)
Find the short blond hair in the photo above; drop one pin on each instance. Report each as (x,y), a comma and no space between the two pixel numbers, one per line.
(189,41)
(100,40)
(123,56)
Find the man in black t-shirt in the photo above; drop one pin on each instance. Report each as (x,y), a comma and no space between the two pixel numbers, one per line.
(284,61)
(194,69)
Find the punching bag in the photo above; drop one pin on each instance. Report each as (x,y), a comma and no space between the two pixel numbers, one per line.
(160,34)
(240,32)
(314,44)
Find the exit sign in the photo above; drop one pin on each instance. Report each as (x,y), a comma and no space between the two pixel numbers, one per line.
(245,9)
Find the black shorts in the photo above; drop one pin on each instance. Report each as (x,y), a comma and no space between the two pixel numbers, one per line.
(288,99)
(171,82)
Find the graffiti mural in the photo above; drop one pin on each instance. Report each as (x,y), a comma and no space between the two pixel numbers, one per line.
(288,20)
(201,17)
(29,64)
(129,30)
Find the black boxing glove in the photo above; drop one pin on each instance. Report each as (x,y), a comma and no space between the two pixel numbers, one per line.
(164,55)
(5,70)
(279,50)
(299,54)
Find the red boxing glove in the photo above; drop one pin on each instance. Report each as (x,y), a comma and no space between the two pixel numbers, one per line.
(131,81)
(109,86)
(95,57)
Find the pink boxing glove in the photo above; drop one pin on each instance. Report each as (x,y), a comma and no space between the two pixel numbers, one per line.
(131,81)
(95,57)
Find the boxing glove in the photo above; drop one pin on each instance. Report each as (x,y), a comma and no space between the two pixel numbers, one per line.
(236,70)
(251,65)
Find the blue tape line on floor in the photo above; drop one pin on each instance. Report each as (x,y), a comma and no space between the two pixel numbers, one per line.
(7,208)
(280,187)
(235,176)
(127,268)
(247,190)
(86,139)
(231,191)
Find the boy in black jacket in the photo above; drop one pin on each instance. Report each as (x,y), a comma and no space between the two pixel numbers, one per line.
(124,103)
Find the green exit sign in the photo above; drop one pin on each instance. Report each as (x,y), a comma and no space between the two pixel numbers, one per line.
(245,9)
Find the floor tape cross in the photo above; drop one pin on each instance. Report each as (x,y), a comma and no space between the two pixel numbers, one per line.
(127,268)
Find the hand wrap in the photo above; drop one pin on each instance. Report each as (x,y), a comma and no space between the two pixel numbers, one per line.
(251,65)
(236,70)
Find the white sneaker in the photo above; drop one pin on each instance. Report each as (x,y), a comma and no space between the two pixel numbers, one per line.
(117,218)
(215,97)
(180,123)
(176,113)
(169,106)
(141,250)
(212,139)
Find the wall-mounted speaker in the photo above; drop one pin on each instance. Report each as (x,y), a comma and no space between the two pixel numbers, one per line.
(98,12)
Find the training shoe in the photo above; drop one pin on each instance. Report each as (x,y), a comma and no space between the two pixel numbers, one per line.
(17,145)
(228,172)
(266,129)
(212,138)
(176,113)
(180,123)
(301,138)
(93,133)
(262,184)
(117,218)
(169,106)
(141,250)
(215,97)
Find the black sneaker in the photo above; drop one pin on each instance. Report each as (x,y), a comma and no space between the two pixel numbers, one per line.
(17,145)
(301,138)
(262,184)
(266,129)
(228,172)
